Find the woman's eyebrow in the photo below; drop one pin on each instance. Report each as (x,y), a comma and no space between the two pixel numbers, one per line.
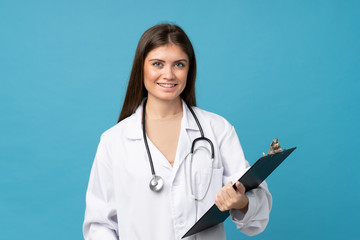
(156,59)
(184,60)
(160,60)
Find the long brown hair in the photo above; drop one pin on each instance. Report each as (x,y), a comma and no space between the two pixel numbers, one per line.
(152,38)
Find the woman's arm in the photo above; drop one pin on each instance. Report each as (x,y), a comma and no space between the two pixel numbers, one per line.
(249,211)
(100,216)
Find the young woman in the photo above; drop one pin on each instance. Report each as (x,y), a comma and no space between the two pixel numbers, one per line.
(166,161)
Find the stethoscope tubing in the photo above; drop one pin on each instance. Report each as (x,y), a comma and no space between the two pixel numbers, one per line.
(156,183)
(145,140)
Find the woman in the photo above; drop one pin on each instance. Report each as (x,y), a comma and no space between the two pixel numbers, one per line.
(120,201)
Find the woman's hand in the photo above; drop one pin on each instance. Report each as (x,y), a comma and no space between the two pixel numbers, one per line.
(229,198)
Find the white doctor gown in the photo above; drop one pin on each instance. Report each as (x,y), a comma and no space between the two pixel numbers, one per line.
(120,204)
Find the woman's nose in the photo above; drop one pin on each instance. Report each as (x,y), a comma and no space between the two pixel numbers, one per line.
(169,73)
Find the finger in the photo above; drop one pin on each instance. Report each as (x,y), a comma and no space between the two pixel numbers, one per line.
(219,201)
(221,207)
(230,193)
(228,185)
(220,196)
(240,187)
(235,196)
(229,197)
(231,187)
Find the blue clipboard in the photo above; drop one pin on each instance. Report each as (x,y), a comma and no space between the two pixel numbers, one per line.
(251,179)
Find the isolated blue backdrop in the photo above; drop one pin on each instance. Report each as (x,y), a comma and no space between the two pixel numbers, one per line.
(286,69)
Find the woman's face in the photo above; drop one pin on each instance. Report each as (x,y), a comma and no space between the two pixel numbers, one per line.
(165,72)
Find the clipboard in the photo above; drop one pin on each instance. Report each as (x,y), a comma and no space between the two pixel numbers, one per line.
(251,179)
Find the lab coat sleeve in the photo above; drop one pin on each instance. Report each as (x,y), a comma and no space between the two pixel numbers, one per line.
(260,200)
(100,215)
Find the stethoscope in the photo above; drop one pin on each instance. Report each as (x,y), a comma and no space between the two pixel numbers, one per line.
(156,182)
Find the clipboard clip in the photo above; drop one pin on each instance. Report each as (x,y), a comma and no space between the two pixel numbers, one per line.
(274,147)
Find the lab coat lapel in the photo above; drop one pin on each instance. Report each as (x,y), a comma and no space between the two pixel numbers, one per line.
(133,130)
(188,125)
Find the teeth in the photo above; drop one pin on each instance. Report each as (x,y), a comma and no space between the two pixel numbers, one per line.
(167,85)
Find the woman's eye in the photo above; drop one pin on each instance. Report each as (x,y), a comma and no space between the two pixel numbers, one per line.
(157,64)
(180,65)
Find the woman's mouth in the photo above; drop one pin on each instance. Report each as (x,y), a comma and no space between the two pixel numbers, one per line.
(166,85)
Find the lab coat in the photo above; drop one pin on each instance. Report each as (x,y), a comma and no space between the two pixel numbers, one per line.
(120,204)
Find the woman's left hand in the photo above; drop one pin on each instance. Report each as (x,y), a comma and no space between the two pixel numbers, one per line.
(229,198)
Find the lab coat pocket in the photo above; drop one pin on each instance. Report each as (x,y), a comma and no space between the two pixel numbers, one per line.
(210,189)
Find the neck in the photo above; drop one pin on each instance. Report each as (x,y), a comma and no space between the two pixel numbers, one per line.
(156,108)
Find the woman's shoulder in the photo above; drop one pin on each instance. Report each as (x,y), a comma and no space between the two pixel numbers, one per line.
(215,120)
(123,128)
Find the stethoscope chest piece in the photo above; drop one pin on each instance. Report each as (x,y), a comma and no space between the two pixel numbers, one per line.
(156,183)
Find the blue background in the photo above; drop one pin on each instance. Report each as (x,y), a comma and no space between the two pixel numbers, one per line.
(286,69)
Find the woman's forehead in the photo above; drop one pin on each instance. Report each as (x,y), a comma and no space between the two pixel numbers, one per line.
(167,52)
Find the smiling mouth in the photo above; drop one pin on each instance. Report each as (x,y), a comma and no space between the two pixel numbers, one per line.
(166,85)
